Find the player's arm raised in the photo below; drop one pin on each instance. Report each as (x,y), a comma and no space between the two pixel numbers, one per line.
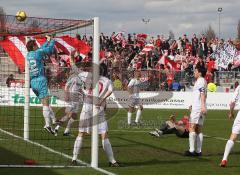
(48,46)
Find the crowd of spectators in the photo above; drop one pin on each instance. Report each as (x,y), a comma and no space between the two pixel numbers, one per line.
(168,65)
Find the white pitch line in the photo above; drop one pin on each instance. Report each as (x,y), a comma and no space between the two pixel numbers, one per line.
(114,130)
(56,152)
(219,138)
(40,166)
(133,131)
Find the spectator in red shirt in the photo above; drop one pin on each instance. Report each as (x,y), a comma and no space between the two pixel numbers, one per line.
(158,42)
(210,65)
(209,77)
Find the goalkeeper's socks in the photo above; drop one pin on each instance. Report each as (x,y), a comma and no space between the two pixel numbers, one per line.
(46,115)
(77,147)
(52,115)
(138,115)
(129,118)
(107,147)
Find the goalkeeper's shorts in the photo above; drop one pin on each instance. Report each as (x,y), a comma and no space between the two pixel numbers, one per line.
(40,87)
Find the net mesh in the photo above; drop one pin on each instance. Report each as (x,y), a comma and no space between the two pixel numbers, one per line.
(42,148)
(9,25)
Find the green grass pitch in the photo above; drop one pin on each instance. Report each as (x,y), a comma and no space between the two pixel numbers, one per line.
(138,152)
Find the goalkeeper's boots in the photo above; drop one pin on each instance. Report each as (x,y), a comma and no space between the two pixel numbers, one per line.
(49,129)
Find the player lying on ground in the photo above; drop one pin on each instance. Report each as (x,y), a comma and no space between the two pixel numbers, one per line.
(235,127)
(172,126)
(85,124)
(134,98)
(198,112)
(72,96)
(38,81)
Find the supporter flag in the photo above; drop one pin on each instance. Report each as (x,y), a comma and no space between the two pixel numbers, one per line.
(147,48)
(118,37)
(172,64)
(224,55)
(16,49)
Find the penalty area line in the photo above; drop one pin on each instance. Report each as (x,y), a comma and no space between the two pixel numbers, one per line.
(56,152)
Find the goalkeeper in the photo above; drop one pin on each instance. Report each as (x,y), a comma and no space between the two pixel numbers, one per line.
(38,81)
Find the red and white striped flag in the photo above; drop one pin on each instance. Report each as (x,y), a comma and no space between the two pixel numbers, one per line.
(16,48)
(172,64)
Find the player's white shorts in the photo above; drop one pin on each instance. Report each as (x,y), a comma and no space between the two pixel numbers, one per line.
(236,125)
(196,117)
(73,107)
(132,102)
(85,123)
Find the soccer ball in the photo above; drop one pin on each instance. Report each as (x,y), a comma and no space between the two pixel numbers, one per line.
(21,15)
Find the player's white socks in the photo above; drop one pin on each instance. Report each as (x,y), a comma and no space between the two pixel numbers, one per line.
(69,124)
(129,118)
(57,127)
(199,141)
(107,147)
(228,148)
(138,115)
(77,147)
(192,139)
(46,115)
(64,118)
(52,115)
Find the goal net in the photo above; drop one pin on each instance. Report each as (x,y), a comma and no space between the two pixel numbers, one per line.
(24,139)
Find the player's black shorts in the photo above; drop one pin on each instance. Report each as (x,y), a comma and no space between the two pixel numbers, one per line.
(183,135)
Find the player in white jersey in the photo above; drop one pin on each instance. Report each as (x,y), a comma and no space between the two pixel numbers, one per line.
(198,112)
(235,127)
(85,124)
(134,98)
(73,95)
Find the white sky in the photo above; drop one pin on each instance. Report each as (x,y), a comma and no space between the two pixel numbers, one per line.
(180,16)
